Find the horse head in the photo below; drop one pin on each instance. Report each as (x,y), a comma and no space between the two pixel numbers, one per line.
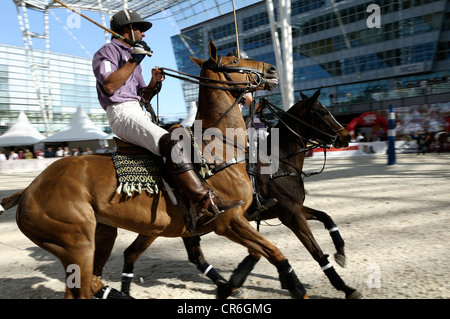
(322,126)
(237,75)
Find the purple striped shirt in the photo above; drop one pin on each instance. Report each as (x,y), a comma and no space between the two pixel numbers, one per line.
(111,57)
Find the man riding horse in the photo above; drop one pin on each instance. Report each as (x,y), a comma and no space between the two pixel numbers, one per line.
(120,87)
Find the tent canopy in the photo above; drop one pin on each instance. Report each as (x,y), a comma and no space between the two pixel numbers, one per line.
(80,128)
(367,120)
(21,133)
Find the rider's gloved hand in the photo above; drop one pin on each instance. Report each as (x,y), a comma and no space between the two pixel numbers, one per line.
(140,50)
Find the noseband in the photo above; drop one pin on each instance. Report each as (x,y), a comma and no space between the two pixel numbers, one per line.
(258,77)
(325,143)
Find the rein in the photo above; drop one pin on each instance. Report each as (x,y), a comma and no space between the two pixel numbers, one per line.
(314,143)
(254,73)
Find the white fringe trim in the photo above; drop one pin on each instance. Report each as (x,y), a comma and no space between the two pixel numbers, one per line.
(129,189)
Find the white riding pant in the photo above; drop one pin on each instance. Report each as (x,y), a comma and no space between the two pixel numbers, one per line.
(134,125)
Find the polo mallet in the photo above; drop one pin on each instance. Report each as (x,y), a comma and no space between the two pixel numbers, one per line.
(137,50)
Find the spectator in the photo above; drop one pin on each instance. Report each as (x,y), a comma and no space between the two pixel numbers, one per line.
(2,156)
(59,152)
(27,154)
(13,156)
(39,154)
(421,142)
(49,153)
(66,151)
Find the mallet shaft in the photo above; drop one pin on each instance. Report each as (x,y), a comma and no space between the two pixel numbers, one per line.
(97,24)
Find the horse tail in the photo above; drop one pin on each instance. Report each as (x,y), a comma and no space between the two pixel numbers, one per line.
(10,201)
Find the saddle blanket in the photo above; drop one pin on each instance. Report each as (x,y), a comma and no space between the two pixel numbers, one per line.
(137,172)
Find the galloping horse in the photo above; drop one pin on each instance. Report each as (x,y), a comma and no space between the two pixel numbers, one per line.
(73,211)
(441,139)
(306,121)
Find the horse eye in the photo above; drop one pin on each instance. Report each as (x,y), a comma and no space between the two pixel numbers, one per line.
(235,61)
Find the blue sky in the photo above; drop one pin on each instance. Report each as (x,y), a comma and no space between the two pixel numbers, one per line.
(92,38)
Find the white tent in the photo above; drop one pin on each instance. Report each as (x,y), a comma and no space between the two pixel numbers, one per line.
(21,133)
(80,128)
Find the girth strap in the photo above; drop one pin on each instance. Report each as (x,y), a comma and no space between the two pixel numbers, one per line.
(222,166)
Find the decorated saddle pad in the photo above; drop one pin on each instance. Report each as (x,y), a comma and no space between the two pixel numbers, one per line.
(137,172)
(138,169)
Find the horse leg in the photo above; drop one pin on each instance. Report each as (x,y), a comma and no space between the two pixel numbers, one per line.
(239,230)
(105,236)
(131,255)
(312,214)
(239,275)
(296,221)
(195,255)
(75,251)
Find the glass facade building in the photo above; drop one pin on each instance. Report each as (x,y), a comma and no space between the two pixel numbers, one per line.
(361,66)
(65,82)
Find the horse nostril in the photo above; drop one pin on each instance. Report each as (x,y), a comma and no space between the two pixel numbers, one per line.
(273,70)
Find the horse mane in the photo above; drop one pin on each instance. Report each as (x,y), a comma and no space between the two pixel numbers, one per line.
(295,110)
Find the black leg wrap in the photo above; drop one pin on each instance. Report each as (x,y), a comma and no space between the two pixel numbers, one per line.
(290,281)
(337,239)
(127,278)
(107,292)
(241,273)
(334,232)
(128,268)
(333,276)
(125,284)
(210,272)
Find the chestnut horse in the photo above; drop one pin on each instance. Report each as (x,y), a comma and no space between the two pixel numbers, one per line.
(307,121)
(72,209)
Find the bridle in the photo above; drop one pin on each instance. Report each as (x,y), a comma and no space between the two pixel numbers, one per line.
(326,141)
(254,74)
(254,79)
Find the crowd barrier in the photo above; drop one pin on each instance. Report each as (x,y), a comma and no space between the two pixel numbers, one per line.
(354,149)
(23,166)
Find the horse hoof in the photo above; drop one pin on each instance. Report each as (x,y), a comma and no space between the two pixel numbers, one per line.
(355,295)
(224,290)
(340,259)
(237,293)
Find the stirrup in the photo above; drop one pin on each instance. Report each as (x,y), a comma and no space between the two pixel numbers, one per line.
(260,205)
(214,207)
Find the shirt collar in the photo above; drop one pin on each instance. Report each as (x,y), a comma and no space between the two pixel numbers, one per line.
(120,43)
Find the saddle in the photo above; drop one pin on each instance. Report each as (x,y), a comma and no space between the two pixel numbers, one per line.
(139,169)
(126,148)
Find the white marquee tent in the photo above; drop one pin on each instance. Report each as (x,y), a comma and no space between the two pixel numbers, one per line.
(80,128)
(21,133)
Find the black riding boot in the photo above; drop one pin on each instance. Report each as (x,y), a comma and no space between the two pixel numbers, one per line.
(259,204)
(207,205)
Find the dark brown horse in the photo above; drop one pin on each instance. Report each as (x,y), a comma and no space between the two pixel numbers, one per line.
(307,121)
(73,211)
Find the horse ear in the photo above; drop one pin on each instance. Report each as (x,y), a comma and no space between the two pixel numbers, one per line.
(212,51)
(304,96)
(199,62)
(316,95)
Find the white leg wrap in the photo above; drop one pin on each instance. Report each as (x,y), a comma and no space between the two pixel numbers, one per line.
(106,293)
(327,266)
(333,229)
(208,269)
